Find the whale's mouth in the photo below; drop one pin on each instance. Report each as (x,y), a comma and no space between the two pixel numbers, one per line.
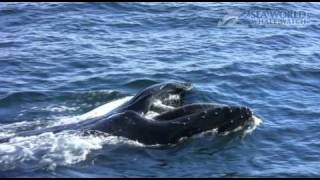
(242,119)
(166,102)
(171,97)
(234,119)
(163,103)
(246,126)
(244,130)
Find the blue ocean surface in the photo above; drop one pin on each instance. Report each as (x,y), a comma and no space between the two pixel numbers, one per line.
(61,60)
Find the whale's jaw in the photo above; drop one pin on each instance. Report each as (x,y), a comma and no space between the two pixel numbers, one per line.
(233,118)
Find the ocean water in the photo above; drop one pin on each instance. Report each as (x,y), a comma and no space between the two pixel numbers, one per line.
(61,60)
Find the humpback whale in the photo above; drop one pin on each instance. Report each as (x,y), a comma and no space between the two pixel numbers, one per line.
(174,120)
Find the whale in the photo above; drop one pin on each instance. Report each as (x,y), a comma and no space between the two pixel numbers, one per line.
(173,121)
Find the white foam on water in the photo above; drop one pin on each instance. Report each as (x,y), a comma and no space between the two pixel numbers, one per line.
(7,130)
(256,122)
(60,108)
(50,150)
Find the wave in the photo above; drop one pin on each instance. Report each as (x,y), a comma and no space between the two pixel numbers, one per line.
(19,97)
(50,150)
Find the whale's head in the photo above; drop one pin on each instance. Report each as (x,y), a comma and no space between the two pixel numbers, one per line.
(226,119)
(234,118)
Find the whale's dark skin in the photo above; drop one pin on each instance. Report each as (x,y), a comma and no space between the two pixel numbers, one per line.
(167,128)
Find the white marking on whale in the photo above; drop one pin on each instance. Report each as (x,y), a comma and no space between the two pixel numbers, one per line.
(104,109)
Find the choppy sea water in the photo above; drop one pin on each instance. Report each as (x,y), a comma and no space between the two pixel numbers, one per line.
(61,60)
